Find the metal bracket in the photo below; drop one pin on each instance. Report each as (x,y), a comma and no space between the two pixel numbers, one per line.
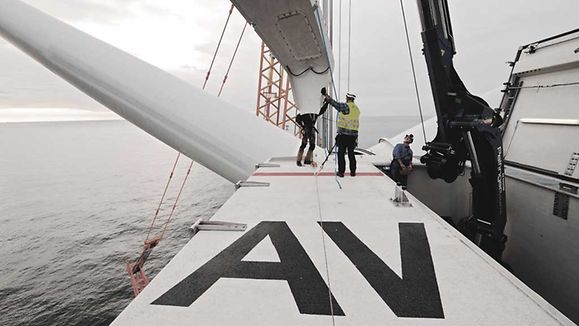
(532,48)
(400,199)
(240,184)
(573,161)
(201,225)
(267,165)
(473,155)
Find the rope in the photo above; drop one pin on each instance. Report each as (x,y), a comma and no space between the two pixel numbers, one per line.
(321,219)
(178,153)
(545,86)
(413,72)
(176,200)
(339,51)
(163,197)
(317,14)
(232,58)
(349,39)
(218,45)
(508,148)
(135,269)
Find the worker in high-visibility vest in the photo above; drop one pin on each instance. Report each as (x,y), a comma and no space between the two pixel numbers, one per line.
(347,138)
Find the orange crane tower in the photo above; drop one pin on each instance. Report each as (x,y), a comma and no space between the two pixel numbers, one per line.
(274,99)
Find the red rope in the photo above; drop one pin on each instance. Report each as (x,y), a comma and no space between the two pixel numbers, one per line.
(218,45)
(135,269)
(176,200)
(204,85)
(219,94)
(232,58)
(162,197)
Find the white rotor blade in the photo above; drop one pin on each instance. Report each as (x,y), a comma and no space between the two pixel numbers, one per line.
(219,136)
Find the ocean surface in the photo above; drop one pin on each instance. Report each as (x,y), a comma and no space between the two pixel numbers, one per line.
(77,199)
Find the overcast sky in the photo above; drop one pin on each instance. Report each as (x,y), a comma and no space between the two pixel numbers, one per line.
(180,37)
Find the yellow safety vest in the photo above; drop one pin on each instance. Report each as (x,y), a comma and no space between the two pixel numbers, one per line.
(350,121)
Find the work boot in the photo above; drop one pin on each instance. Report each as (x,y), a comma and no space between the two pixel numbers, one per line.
(309,156)
(300,155)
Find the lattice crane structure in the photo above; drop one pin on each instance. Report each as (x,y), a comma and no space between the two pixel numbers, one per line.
(274,99)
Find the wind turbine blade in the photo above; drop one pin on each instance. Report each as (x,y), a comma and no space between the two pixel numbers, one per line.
(214,133)
(294,33)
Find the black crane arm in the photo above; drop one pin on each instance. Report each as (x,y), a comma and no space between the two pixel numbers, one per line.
(467,130)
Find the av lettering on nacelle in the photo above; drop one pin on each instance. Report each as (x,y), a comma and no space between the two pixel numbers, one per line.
(415,295)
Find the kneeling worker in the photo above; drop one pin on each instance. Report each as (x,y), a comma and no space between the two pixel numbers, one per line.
(347,138)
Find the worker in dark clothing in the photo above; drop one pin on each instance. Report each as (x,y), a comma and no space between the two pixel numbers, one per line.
(401,165)
(307,123)
(347,138)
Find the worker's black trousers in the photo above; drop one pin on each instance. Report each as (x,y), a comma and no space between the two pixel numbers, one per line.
(396,172)
(308,135)
(346,143)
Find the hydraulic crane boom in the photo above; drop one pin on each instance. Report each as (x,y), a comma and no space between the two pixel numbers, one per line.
(467,130)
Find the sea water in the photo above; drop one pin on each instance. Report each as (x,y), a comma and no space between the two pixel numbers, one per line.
(76,203)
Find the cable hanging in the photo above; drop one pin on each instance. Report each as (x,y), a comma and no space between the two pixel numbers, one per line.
(320,217)
(162,198)
(232,58)
(349,40)
(339,93)
(203,88)
(333,86)
(179,154)
(413,71)
(543,86)
(306,70)
(321,220)
(176,200)
(218,45)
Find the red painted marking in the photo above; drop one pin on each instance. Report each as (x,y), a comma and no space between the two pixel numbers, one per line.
(311,174)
